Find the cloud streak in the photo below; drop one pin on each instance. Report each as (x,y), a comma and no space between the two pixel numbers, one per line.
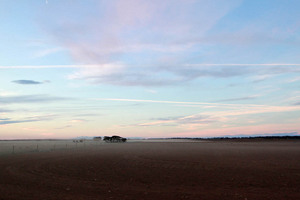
(30,99)
(251,107)
(297,103)
(40,66)
(226,111)
(219,116)
(184,120)
(239,98)
(91,66)
(46,52)
(162,75)
(168,102)
(5,110)
(29,82)
(7,121)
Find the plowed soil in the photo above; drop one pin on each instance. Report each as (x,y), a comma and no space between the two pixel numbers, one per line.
(156,170)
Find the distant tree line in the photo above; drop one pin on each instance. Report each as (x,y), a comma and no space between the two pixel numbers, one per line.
(114,138)
(251,138)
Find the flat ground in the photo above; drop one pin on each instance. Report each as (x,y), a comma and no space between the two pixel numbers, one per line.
(155,170)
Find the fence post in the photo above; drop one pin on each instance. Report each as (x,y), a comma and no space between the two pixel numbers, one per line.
(13,149)
(37,147)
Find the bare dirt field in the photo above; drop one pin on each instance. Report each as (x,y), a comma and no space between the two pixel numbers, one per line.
(152,170)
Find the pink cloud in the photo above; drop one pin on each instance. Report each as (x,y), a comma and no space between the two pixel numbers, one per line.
(243,130)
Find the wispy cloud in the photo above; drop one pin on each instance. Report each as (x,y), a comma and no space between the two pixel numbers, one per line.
(75,121)
(245,130)
(72,123)
(64,127)
(209,117)
(296,79)
(165,102)
(260,78)
(224,113)
(139,34)
(239,38)
(5,110)
(133,26)
(7,121)
(162,75)
(30,99)
(29,82)
(192,119)
(95,66)
(3,119)
(240,98)
(47,52)
(297,103)
(247,108)
(34,129)
(251,110)
(40,66)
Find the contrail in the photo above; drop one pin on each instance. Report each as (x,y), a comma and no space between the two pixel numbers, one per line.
(175,102)
(40,66)
(243,64)
(185,65)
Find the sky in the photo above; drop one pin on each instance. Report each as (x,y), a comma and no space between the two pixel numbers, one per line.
(139,68)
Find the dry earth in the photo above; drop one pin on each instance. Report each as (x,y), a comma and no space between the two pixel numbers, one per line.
(155,170)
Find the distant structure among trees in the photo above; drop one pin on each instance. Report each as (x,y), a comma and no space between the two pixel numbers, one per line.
(114,138)
(77,141)
(97,138)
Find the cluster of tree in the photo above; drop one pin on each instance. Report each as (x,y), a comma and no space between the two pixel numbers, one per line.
(114,138)
(97,138)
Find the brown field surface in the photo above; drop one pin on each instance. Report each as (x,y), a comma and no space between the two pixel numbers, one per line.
(181,169)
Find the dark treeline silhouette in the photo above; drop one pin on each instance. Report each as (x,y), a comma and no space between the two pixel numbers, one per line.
(114,138)
(241,138)
(233,138)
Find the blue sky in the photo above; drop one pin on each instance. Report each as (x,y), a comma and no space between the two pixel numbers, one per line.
(137,68)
